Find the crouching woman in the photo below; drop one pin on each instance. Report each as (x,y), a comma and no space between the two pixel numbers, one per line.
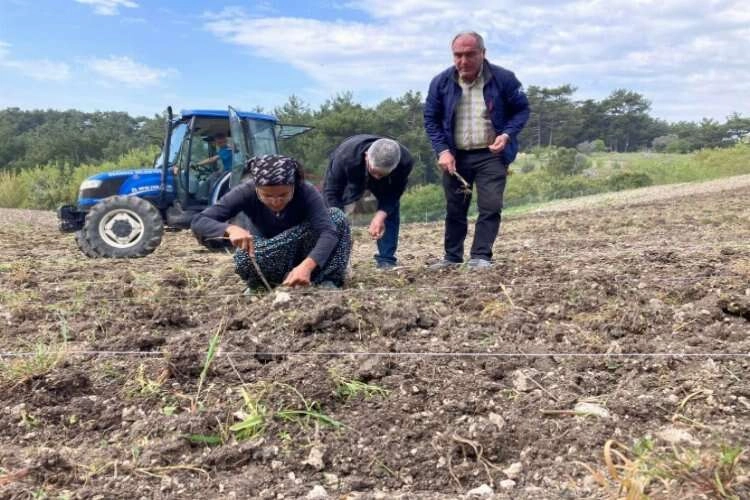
(295,240)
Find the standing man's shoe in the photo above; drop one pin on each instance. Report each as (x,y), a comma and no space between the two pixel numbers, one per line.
(479,264)
(443,264)
(385,266)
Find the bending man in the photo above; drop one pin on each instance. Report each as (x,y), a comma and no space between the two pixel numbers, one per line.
(382,166)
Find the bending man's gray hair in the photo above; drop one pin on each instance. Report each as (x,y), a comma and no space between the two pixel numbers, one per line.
(477,37)
(384,154)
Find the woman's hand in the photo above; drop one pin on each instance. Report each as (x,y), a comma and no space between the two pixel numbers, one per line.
(240,238)
(300,275)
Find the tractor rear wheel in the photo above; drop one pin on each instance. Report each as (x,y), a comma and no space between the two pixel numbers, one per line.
(123,227)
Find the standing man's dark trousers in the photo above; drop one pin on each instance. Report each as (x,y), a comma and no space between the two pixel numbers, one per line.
(388,244)
(488,172)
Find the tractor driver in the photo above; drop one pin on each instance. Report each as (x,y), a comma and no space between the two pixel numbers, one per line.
(223,153)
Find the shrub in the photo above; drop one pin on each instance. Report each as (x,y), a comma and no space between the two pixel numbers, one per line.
(679,146)
(599,146)
(628,180)
(581,163)
(663,142)
(570,187)
(12,191)
(523,189)
(585,147)
(562,162)
(421,203)
(49,186)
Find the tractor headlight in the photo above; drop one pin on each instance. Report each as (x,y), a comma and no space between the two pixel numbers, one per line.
(90,184)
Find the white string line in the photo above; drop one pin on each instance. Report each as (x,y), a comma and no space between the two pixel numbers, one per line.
(162,354)
(545,285)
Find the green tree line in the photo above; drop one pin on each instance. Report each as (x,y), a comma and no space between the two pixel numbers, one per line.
(620,123)
(46,137)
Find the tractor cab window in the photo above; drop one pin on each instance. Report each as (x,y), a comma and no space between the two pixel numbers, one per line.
(263,138)
(175,143)
(200,149)
(193,149)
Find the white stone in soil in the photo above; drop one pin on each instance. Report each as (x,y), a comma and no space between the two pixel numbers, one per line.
(514,470)
(507,484)
(317,493)
(481,491)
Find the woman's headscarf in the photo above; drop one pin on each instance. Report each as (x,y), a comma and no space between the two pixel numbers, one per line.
(274,170)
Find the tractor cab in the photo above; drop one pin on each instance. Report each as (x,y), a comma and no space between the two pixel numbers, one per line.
(253,137)
(211,149)
(124,213)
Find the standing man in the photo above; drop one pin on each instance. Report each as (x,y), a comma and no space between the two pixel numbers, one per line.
(473,115)
(381,165)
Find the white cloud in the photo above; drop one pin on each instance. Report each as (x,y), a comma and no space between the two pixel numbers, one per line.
(339,55)
(664,49)
(109,7)
(126,71)
(38,69)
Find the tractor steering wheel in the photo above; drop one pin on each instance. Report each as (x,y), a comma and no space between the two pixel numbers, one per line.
(203,170)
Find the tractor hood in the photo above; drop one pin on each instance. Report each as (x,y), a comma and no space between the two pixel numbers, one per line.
(142,182)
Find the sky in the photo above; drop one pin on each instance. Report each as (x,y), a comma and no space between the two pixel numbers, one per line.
(691,59)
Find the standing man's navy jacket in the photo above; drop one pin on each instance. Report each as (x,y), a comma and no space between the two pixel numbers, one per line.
(504,98)
(347,179)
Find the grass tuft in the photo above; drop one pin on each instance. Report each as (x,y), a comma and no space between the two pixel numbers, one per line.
(644,471)
(41,361)
(350,388)
(264,402)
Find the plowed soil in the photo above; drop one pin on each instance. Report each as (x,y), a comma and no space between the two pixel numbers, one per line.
(621,321)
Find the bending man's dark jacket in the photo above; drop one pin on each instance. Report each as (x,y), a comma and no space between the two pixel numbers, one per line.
(306,205)
(504,97)
(347,178)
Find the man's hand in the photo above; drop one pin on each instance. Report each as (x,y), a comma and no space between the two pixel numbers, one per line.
(240,238)
(377,225)
(300,275)
(500,142)
(447,162)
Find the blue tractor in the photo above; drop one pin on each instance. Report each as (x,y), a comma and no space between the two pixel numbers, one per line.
(124,213)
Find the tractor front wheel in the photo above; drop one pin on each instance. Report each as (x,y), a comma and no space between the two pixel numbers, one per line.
(123,227)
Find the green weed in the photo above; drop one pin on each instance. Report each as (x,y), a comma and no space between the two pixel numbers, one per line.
(207,439)
(213,346)
(350,388)
(40,362)
(143,386)
(259,410)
